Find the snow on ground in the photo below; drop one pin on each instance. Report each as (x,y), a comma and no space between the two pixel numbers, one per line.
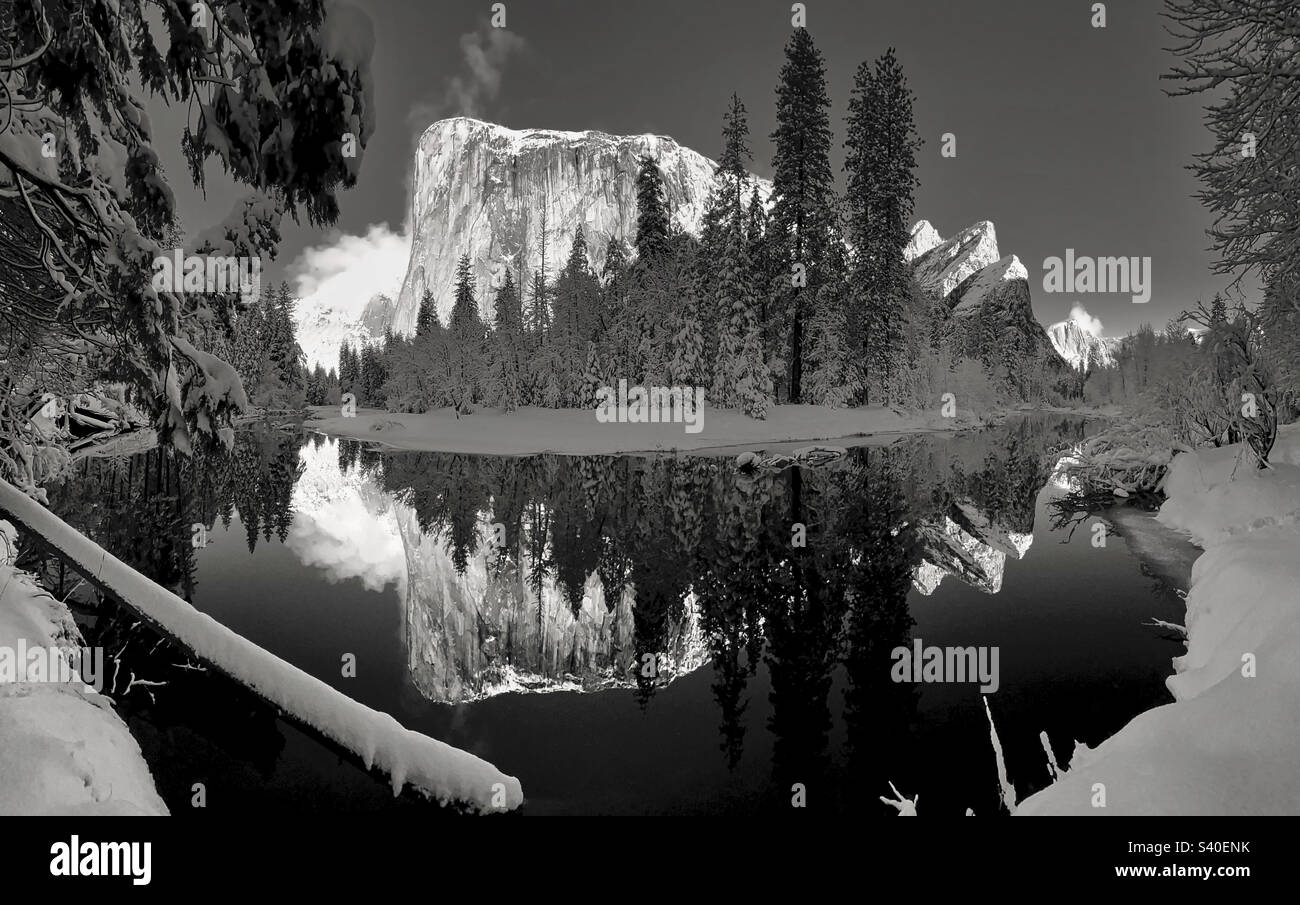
(576,431)
(63,749)
(1230,742)
(445,773)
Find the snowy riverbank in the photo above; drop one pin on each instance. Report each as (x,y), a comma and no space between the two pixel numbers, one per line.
(576,431)
(63,749)
(1230,741)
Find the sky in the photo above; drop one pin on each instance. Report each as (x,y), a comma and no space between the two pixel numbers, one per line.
(1064,135)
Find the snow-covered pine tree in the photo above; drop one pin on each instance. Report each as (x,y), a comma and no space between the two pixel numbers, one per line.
(651,213)
(740,377)
(78,71)
(686,349)
(503,385)
(593,378)
(427,316)
(830,379)
(465,341)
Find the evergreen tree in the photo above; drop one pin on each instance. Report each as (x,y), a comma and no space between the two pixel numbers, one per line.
(733,164)
(651,213)
(504,378)
(575,307)
(803,193)
(465,341)
(880,159)
(830,380)
(427,316)
(740,378)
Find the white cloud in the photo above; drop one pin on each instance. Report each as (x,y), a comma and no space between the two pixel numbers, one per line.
(347,270)
(335,281)
(1090,324)
(485,54)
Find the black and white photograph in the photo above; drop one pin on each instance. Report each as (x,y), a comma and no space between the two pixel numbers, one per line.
(828,411)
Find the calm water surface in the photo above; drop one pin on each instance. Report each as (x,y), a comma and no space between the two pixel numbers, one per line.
(631,634)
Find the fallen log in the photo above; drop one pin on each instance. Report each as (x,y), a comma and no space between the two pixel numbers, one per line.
(440,771)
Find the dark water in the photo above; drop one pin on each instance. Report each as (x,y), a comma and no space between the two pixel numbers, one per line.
(651,638)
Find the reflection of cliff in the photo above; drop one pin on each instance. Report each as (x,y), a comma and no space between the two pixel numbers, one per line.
(478,632)
(970,545)
(482,633)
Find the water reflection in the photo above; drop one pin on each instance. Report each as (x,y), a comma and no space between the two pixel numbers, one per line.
(554,573)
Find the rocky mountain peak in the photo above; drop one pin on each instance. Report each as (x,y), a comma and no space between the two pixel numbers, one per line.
(480,189)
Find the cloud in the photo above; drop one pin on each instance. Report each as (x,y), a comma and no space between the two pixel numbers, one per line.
(1090,324)
(344,539)
(346,270)
(484,54)
(334,282)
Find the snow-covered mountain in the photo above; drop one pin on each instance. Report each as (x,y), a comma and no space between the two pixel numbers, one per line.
(1079,346)
(972,278)
(480,189)
(323,327)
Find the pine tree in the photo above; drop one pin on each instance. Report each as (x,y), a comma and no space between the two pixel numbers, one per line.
(593,378)
(740,378)
(575,305)
(733,164)
(880,160)
(829,379)
(651,213)
(504,378)
(621,324)
(465,341)
(427,315)
(347,369)
(1218,309)
(802,191)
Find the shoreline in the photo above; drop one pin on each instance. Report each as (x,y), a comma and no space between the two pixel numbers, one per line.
(534,431)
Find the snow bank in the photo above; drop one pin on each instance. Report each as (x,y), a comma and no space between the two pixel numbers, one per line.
(1230,742)
(445,773)
(576,431)
(63,750)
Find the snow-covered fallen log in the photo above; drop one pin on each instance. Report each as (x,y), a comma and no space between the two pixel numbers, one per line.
(440,771)
(63,749)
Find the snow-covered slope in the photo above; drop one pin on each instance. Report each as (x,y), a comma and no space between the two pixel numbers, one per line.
(942,267)
(1229,743)
(480,189)
(1080,347)
(63,749)
(323,327)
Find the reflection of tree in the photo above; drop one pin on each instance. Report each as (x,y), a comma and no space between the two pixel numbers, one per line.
(663,529)
(142,508)
(882,552)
